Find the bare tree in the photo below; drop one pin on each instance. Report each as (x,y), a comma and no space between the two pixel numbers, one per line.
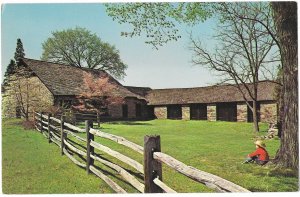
(245,54)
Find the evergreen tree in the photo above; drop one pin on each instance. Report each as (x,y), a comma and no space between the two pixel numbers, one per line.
(19,50)
(9,70)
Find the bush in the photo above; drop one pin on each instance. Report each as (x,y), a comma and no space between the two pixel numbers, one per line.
(28,124)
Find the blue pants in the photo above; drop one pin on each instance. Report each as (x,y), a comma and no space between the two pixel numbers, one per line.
(256,160)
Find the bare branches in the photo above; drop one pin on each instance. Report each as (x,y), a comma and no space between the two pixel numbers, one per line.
(245,52)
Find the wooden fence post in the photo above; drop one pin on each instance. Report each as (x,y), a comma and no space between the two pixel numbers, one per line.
(41,119)
(98,119)
(62,134)
(75,120)
(49,123)
(89,148)
(34,120)
(152,168)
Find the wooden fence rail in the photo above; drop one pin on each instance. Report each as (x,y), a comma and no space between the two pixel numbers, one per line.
(59,132)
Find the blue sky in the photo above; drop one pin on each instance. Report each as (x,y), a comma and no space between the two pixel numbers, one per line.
(168,67)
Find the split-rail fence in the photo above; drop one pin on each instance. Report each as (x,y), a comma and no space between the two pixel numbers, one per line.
(63,134)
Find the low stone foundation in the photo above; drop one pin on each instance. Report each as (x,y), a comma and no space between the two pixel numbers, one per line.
(212,112)
(185,113)
(268,112)
(242,112)
(160,112)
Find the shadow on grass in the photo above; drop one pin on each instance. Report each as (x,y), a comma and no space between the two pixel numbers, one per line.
(137,174)
(129,123)
(283,172)
(107,173)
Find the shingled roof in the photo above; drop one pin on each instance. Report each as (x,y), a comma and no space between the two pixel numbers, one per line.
(143,91)
(210,94)
(66,80)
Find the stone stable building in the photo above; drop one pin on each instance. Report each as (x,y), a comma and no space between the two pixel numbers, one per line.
(61,84)
(57,84)
(223,102)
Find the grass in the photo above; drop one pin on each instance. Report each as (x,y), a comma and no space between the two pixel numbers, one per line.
(31,166)
(215,147)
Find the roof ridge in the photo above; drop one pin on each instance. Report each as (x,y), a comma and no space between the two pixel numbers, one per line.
(43,65)
(210,86)
(63,64)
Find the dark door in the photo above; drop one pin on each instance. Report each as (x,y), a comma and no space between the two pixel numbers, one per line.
(250,113)
(150,112)
(174,112)
(138,110)
(198,112)
(18,112)
(227,112)
(125,111)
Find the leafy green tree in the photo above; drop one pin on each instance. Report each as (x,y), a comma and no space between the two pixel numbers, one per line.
(19,50)
(79,47)
(157,21)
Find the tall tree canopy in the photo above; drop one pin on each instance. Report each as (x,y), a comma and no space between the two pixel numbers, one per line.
(157,21)
(79,47)
(19,50)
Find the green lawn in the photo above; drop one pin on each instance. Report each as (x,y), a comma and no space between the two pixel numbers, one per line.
(31,165)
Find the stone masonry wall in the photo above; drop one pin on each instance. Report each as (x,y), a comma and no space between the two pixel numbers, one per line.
(268,112)
(185,112)
(160,112)
(211,112)
(39,97)
(242,112)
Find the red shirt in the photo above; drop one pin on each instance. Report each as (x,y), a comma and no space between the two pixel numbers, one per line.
(261,153)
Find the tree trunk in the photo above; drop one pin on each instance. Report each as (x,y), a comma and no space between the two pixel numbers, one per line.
(255,117)
(285,16)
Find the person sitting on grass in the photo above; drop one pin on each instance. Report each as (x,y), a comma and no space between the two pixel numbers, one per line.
(260,155)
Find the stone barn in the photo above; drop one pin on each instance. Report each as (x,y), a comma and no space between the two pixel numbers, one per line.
(59,84)
(222,102)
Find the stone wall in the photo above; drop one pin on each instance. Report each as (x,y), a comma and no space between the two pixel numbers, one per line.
(242,112)
(268,112)
(33,92)
(185,112)
(211,112)
(160,112)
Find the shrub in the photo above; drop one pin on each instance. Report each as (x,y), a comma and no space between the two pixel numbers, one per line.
(28,124)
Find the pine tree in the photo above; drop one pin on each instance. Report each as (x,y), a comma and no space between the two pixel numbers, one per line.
(9,71)
(10,68)
(19,50)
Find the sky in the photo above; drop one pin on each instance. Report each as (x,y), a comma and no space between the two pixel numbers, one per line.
(168,67)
